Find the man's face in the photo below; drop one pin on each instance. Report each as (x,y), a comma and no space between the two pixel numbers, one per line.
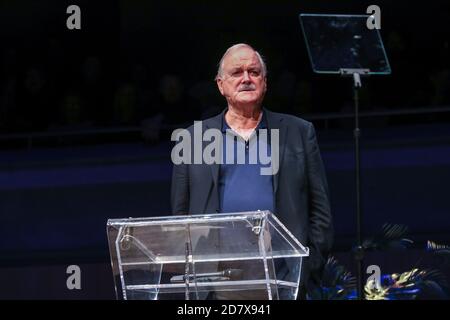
(242,81)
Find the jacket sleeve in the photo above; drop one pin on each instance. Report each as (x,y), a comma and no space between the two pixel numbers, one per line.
(180,189)
(320,232)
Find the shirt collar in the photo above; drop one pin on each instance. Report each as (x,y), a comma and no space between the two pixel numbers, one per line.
(261,125)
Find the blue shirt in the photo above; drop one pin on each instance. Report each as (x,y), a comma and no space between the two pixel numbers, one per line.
(242,187)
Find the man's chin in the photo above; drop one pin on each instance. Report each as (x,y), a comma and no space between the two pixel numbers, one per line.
(247,98)
(247,101)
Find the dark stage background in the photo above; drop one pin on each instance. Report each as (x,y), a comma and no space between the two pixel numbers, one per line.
(86,116)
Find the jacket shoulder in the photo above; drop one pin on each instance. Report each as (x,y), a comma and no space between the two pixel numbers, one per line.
(290,120)
(213,122)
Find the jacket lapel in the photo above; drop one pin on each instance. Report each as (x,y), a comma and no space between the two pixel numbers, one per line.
(275,121)
(215,123)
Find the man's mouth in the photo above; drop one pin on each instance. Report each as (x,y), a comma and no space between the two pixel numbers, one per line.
(246,89)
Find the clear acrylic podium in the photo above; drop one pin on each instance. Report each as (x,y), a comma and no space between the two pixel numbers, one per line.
(246,255)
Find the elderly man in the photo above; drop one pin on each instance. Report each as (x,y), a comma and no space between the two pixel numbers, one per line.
(297,193)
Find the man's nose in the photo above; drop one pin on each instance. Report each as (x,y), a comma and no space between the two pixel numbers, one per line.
(245,77)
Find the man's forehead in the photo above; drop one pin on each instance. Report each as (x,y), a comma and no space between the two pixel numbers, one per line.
(241,56)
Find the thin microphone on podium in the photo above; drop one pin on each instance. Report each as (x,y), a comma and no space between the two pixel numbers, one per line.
(225,275)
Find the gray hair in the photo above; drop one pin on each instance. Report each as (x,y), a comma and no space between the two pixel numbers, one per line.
(238,46)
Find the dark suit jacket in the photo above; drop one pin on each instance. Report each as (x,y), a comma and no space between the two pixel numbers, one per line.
(300,188)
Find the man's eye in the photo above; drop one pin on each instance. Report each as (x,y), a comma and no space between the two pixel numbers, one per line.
(255,73)
(236,73)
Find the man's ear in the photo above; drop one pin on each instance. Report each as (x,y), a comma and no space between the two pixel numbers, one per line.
(219,85)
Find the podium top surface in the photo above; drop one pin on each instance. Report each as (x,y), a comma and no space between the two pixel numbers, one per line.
(189,219)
